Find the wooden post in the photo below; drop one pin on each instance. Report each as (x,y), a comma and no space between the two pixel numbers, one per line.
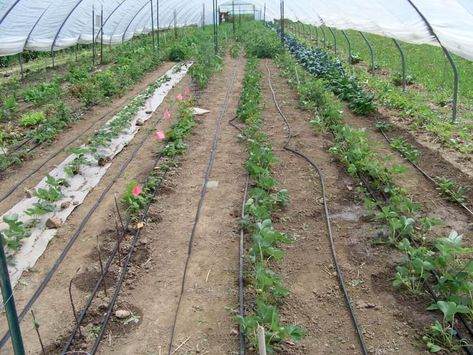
(261,341)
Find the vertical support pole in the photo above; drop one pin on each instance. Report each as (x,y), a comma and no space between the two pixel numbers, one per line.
(350,57)
(371,51)
(93,35)
(203,17)
(214,2)
(152,24)
(264,18)
(75,50)
(175,24)
(20,61)
(334,39)
(101,35)
(323,35)
(282,21)
(316,35)
(254,12)
(403,62)
(233,16)
(9,302)
(157,23)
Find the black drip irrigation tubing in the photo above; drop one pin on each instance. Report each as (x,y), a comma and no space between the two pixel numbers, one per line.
(241,252)
(201,202)
(327,215)
(120,280)
(19,183)
(425,174)
(74,237)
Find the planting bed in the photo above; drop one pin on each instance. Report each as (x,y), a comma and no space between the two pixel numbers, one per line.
(260,189)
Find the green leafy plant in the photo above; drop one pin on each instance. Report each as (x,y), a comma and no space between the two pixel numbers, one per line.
(32,119)
(442,334)
(451,188)
(15,233)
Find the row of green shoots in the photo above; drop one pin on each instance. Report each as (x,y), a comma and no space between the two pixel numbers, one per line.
(266,288)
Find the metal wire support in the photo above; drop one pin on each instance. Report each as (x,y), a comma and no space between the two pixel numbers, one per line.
(101,35)
(371,51)
(9,302)
(323,35)
(152,23)
(233,16)
(350,56)
(93,35)
(157,23)
(175,24)
(203,17)
(20,61)
(403,62)
(449,57)
(281,4)
(214,2)
(334,39)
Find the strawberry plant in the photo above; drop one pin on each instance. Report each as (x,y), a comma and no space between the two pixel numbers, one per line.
(15,233)
(452,189)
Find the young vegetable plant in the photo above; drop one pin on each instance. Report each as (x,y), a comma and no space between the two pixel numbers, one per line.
(15,233)
(451,188)
(442,334)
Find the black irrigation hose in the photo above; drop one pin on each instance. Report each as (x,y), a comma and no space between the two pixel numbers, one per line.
(19,183)
(120,280)
(426,175)
(327,215)
(74,237)
(241,286)
(201,202)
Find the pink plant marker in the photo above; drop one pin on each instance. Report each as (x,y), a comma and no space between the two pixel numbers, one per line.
(136,190)
(187,90)
(167,115)
(160,135)
(180,97)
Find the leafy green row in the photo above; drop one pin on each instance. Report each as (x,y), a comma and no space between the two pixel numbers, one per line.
(266,240)
(136,200)
(318,62)
(406,228)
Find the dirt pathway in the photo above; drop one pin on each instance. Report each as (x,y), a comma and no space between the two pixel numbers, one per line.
(204,323)
(315,301)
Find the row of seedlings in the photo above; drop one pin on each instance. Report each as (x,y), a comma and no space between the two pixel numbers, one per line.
(265,290)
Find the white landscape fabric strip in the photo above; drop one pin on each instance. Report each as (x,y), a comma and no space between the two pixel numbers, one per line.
(81,184)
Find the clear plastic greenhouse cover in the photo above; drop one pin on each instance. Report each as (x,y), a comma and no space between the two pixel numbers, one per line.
(46,25)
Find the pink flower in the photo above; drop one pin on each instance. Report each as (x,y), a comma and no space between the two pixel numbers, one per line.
(136,190)
(167,115)
(180,97)
(187,90)
(160,135)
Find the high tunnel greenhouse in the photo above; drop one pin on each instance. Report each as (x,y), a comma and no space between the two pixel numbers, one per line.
(236,177)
